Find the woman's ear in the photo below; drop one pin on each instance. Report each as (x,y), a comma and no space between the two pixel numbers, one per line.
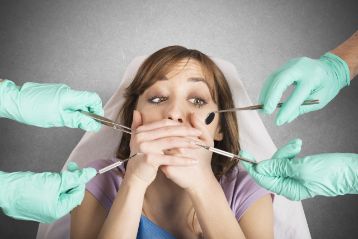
(218,134)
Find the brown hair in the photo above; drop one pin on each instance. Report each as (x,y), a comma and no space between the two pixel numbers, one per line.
(157,66)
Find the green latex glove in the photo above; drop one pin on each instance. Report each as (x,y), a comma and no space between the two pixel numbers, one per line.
(49,105)
(313,79)
(43,197)
(328,174)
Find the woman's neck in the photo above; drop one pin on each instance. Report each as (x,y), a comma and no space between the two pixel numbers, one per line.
(164,196)
(164,190)
(169,206)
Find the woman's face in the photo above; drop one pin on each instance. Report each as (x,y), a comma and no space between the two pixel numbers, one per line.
(181,92)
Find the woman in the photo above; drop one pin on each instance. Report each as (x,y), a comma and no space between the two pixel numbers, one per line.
(172,188)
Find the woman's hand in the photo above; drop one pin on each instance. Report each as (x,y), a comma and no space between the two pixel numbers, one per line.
(192,177)
(150,141)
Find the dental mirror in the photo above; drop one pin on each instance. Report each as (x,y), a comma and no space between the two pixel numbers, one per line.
(211,116)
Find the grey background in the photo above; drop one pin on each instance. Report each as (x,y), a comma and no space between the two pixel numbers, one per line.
(88,44)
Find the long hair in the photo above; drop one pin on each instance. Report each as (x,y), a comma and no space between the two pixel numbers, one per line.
(158,65)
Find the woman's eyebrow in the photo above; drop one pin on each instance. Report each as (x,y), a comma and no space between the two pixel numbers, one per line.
(192,79)
(198,79)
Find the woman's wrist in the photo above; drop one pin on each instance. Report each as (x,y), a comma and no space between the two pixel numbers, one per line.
(203,187)
(133,181)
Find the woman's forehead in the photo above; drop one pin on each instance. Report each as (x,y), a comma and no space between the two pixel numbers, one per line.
(185,67)
(189,68)
(183,73)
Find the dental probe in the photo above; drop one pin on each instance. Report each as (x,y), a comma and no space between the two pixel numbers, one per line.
(114,165)
(224,153)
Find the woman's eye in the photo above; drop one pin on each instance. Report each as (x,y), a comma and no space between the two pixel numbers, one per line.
(157,99)
(199,102)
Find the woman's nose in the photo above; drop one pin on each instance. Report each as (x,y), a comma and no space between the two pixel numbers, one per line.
(180,120)
(175,112)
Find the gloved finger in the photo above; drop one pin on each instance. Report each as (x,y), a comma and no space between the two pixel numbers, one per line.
(93,103)
(278,85)
(264,92)
(78,120)
(308,108)
(291,189)
(73,179)
(303,109)
(83,100)
(294,101)
(292,117)
(285,186)
(69,180)
(70,200)
(264,89)
(72,166)
(250,168)
(279,167)
(290,150)
(247,155)
(259,179)
(87,174)
(268,182)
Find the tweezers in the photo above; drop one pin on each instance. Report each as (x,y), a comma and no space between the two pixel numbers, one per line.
(108,122)
(115,126)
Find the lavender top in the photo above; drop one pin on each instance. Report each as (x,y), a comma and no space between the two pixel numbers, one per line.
(240,190)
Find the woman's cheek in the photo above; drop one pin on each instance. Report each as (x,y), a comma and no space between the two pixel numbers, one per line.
(149,118)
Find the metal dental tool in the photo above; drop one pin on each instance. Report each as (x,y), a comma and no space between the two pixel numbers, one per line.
(115,126)
(114,165)
(128,130)
(224,153)
(211,115)
(108,122)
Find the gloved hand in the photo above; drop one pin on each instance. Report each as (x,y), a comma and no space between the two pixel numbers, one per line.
(328,174)
(43,197)
(313,79)
(49,105)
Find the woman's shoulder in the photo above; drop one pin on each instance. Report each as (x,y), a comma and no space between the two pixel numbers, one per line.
(241,190)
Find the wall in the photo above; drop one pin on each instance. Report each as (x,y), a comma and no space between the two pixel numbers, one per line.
(88,44)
